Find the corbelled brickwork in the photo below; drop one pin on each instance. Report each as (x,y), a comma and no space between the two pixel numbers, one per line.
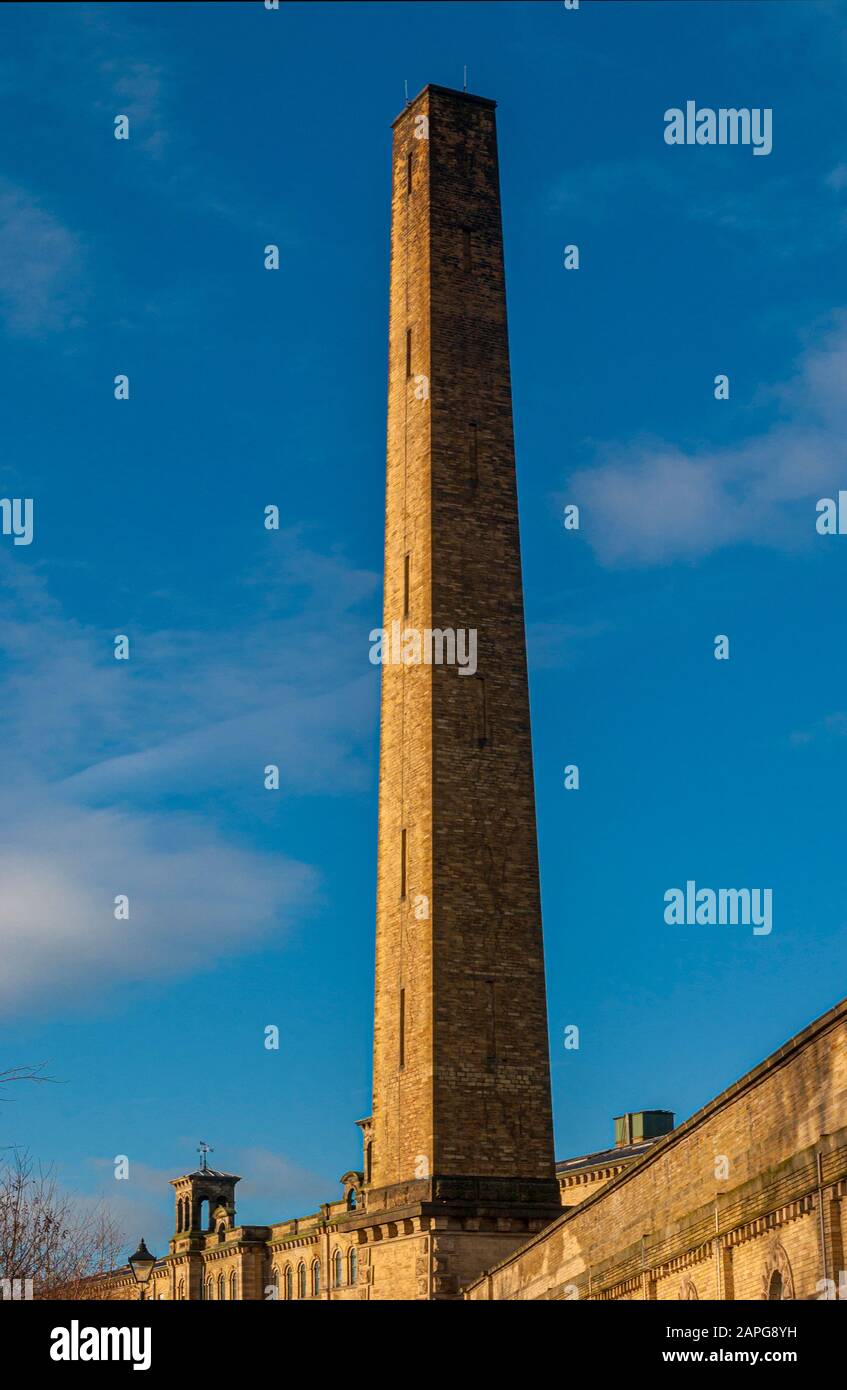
(743,1201)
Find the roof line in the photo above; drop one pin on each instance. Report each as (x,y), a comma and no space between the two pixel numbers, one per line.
(777,1059)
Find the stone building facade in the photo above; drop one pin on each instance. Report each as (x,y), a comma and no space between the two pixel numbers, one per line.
(458,1193)
(746,1200)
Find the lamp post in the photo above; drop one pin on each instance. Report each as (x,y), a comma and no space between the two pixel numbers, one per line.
(141,1264)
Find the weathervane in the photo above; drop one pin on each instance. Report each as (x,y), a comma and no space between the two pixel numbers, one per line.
(203,1148)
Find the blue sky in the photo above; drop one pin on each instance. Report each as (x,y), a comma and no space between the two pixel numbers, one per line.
(248,387)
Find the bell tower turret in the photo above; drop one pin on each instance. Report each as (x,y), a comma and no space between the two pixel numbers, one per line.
(204,1203)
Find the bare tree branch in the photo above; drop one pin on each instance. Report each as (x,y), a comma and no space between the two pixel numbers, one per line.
(58,1242)
(11,1074)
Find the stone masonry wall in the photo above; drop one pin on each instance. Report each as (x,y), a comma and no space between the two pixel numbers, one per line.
(669,1223)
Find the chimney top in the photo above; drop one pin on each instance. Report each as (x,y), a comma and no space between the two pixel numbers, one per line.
(445,91)
(637,1125)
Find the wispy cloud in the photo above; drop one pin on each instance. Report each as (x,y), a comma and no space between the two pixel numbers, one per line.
(41,264)
(649,502)
(277,1181)
(143,1201)
(137,89)
(837,178)
(551,646)
(111,768)
(831,726)
(784,215)
(193,897)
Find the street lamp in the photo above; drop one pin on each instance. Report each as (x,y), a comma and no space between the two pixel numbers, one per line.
(141,1264)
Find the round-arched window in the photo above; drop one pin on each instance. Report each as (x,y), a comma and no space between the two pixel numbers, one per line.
(777,1279)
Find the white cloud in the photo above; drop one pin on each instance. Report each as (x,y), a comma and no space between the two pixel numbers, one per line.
(837,178)
(94,747)
(277,1181)
(649,502)
(831,726)
(193,897)
(40,267)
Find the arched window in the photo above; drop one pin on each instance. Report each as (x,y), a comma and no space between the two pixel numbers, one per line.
(180,1289)
(351,1195)
(337,1269)
(275,1281)
(301,1280)
(209,1289)
(289,1282)
(316,1279)
(777,1279)
(221,1287)
(204,1214)
(222,1231)
(233,1285)
(353,1266)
